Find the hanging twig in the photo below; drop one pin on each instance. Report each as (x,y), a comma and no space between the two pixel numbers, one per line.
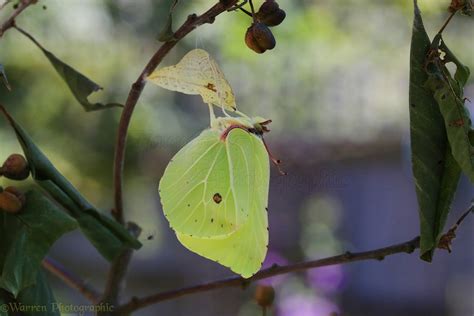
(71,280)
(10,22)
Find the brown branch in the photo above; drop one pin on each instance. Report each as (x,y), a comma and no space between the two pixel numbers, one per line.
(192,22)
(376,254)
(118,270)
(445,24)
(10,22)
(71,280)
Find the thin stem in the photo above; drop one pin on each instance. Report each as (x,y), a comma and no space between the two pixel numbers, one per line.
(252,10)
(376,254)
(191,23)
(10,22)
(447,22)
(71,280)
(118,270)
(246,12)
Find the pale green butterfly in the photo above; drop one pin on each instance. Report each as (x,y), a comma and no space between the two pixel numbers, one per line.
(214,194)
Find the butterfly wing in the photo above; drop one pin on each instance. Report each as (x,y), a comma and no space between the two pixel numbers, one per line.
(206,188)
(244,250)
(197,74)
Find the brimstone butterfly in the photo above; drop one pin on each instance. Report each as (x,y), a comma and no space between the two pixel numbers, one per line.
(214,194)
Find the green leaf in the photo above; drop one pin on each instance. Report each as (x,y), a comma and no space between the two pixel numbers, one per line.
(80,86)
(435,172)
(40,297)
(34,300)
(448,92)
(167,34)
(109,237)
(41,223)
(3,75)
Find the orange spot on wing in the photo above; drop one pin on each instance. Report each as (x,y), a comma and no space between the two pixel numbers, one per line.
(211,87)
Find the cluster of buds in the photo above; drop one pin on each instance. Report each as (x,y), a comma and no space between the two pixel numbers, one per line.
(259,37)
(15,167)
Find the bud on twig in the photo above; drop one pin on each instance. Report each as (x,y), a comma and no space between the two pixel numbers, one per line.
(11,200)
(15,168)
(270,13)
(259,38)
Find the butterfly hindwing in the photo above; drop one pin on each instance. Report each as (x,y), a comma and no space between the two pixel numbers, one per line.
(205,190)
(244,250)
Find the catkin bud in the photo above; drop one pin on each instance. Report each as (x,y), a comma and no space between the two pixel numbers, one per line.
(259,38)
(15,168)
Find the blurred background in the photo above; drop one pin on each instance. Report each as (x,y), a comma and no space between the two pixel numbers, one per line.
(336,88)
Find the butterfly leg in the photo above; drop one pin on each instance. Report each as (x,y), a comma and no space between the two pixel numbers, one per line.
(212,116)
(225,112)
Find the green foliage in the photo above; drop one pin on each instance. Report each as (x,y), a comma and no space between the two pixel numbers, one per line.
(109,237)
(80,86)
(34,300)
(4,78)
(448,92)
(167,34)
(440,126)
(40,295)
(30,234)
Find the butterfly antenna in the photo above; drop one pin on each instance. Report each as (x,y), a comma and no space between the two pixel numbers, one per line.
(276,162)
(242,114)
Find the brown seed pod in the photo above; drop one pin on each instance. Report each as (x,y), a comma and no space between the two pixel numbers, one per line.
(15,168)
(259,38)
(264,295)
(270,13)
(10,203)
(20,195)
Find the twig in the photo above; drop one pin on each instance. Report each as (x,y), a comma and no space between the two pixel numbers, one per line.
(71,280)
(446,22)
(10,22)
(192,22)
(118,270)
(376,254)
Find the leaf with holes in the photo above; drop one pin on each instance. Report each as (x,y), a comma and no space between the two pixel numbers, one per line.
(448,92)
(435,172)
